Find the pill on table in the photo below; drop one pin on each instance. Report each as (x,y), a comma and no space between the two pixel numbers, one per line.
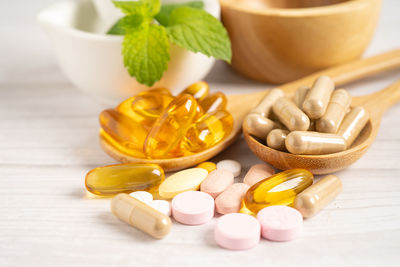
(353,124)
(314,143)
(198,90)
(258,125)
(237,231)
(193,207)
(265,106)
(280,223)
(276,139)
(186,180)
(140,215)
(216,182)
(338,104)
(143,196)
(162,206)
(230,165)
(290,115)
(317,99)
(300,95)
(318,195)
(257,173)
(208,166)
(229,200)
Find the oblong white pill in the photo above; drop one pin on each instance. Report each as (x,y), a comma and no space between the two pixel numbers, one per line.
(143,196)
(162,206)
(230,165)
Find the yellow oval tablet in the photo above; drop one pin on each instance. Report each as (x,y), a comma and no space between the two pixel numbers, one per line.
(186,180)
(207,165)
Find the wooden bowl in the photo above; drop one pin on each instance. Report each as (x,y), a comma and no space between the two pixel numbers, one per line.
(278,41)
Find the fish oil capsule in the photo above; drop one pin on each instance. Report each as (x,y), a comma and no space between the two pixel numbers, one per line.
(140,215)
(170,127)
(258,125)
(118,146)
(265,106)
(198,90)
(290,115)
(353,123)
(124,178)
(317,99)
(300,95)
(278,189)
(207,131)
(337,107)
(276,139)
(214,102)
(208,166)
(314,143)
(125,131)
(317,196)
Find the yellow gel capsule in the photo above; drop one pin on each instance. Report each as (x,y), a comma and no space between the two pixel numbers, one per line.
(214,102)
(127,132)
(198,90)
(208,131)
(137,153)
(124,178)
(208,166)
(147,106)
(278,189)
(170,127)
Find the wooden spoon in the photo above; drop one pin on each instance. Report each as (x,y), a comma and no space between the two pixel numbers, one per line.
(240,105)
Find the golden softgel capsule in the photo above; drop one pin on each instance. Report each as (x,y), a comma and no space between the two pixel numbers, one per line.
(140,215)
(214,102)
(278,189)
(124,178)
(198,90)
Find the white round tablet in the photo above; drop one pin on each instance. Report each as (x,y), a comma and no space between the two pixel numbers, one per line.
(230,165)
(143,196)
(162,206)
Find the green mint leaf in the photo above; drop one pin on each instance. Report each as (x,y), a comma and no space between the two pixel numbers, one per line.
(146,8)
(146,53)
(166,9)
(198,31)
(125,24)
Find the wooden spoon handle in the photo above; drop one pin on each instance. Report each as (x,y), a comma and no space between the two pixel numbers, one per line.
(379,102)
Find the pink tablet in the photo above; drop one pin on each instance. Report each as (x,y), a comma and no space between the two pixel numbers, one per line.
(193,207)
(237,231)
(280,223)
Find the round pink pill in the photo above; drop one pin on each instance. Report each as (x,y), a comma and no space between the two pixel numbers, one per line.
(237,231)
(280,223)
(193,207)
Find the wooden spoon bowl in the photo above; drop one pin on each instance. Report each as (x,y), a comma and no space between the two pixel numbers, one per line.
(240,105)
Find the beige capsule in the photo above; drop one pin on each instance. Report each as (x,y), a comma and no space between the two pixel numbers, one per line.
(353,123)
(300,95)
(264,107)
(317,99)
(338,105)
(276,139)
(317,196)
(290,115)
(140,215)
(314,143)
(259,126)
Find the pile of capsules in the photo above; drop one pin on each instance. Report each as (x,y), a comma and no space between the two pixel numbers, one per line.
(154,124)
(318,120)
(264,204)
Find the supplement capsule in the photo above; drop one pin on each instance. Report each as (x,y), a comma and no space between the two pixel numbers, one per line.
(137,153)
(207,131)
(337,107)
(124,178)
(140,215)
(290,115)
(276,139)
(352,124)
(198,90)
(317,99)
(314,143)
(168,130)
(278,189)
(208,166)
(265,106)
(258,125)
(125,131)
(214,102)
(317,196)
(300,95)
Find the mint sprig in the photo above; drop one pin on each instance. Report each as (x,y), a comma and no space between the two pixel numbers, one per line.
(146,45)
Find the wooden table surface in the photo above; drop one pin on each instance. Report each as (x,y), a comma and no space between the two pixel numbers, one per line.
(48,141)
